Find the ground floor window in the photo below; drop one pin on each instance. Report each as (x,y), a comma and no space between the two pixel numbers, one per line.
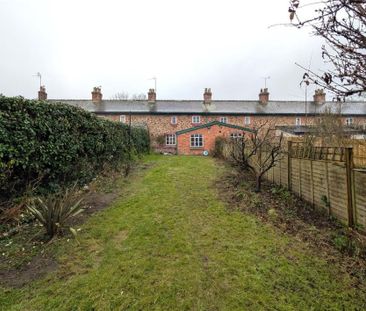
(247,120)
(236,135)
(196,140)
(223,119)
(170,140)
(349,121)
(298,121)
(122,118)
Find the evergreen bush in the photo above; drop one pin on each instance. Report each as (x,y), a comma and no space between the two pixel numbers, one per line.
(55,144)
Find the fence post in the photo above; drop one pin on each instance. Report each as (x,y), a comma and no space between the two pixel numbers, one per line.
(312,183)
(349,166)
(328,190)
(289,148)
(280,172)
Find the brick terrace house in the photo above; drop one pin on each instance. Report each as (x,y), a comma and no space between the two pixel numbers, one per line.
(191,126)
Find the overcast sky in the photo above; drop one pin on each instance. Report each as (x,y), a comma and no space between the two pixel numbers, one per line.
(188,45)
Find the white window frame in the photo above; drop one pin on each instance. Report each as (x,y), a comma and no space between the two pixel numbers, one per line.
(122,118)
(196,141)
(349,121)
(297,121)
(196,119)
(247,120)
(173,120)
(170,140)
(224,119)
(236,135)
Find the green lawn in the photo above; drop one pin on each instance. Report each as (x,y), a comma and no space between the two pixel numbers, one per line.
(170,244)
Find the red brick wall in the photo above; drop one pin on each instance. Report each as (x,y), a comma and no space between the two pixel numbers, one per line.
(160,125)
(209,137)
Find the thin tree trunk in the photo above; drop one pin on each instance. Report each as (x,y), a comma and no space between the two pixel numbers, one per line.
(258,183)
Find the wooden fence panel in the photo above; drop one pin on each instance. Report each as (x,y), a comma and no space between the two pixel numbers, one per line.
(277,174)
(306,184)
(360,197)
(295,176)
(324,177)
(338,191)
(284,171)
(321,186)
(321,183)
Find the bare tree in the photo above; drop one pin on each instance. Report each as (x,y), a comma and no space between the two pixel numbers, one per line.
(120,96)
(342,23)
(126,96)
(329,129)
(140,96)
(257,153)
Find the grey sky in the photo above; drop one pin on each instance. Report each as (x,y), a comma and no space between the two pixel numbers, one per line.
(188,45)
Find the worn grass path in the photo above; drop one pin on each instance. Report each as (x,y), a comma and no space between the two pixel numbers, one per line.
(170,244)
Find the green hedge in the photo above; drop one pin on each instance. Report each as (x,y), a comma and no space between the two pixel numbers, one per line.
(58,144)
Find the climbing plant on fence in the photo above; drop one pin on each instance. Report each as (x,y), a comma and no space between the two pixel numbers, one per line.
(58,144)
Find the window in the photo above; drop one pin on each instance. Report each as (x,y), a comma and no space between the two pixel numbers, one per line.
(236,135)
(223,119)
(122,118)
(196,119)
(170,140)
(196,140)
(247,120)
(349,121)
(174,120)
(298,121)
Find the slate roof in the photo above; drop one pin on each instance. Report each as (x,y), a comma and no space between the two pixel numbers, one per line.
(209,124)
(308,129)
(218,107)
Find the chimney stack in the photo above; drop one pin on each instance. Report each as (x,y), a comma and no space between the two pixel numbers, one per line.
(207,96)
(42,95)
(97,94)
(264,96)
(319,97)
(151,96)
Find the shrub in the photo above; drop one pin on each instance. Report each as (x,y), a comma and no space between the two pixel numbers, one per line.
(55,144)
(218,151)
(54,210)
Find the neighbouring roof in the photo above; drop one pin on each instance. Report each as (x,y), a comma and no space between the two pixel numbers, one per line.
(212,123)
(308,129)
(218,107)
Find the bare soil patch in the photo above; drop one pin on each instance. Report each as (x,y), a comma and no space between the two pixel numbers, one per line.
(26,256)
(38,267)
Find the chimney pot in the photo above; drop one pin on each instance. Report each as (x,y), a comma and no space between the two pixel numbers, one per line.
(207,96)
(151,96)
(42,95)
(97,95)
(264,96)
(319,97)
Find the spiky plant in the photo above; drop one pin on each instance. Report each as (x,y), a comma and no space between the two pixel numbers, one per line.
(54,210)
